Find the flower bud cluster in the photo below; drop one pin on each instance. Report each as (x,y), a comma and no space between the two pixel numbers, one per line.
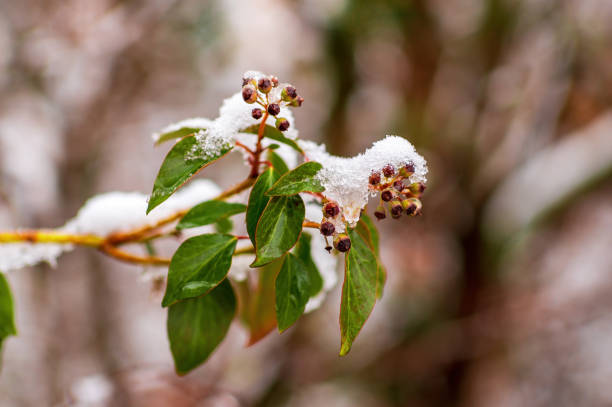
(266,91)
(395,196)
(331,215)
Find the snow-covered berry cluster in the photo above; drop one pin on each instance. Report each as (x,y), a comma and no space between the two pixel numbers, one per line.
(267,92)
(395,193)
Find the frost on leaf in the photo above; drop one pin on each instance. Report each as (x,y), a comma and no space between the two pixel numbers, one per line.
(346,179)
(194,123)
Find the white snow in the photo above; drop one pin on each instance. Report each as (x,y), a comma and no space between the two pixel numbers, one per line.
(103,215)
(346,179)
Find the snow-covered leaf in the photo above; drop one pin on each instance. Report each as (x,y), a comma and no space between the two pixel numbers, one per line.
(180,129)
(181,163)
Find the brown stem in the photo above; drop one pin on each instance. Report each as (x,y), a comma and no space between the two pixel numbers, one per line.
(119,254)
(258,149)
(310,224)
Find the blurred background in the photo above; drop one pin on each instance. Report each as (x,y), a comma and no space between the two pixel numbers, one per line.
(500,295)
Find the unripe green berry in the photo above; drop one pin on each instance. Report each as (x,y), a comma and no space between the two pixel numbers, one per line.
(342,243)
(415,207)
(249,93)
(273,109)
(264,85)
(417,188)
(257,113)
(327,228)
(282,124)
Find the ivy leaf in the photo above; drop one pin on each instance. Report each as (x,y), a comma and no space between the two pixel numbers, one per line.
(274,134)
(7,317)
(358,290)
(257,302)
(300,179)
(277,162)
(177,168)
(258,200)
(209,212)
(198,265)
(292,291)
(367,229)
(303,252)
(196,326)
(278,229)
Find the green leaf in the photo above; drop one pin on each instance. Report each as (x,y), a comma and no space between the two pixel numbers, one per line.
(209,212)
(171,135)
(278,163)
(358,290)
(224,225)
(177,168)
(7,314)
(367,228)
(257,302)
(303,252)
(274,134)
(278,229)
(198,325)
(292,291)
(258,200)
(273,146)
(198,265)
(300,179)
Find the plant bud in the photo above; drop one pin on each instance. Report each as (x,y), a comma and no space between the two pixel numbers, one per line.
(380,212)
(396,209)
(407,170)
(273,109)
(246,81)
(264,85)
(257,113)
(327,228)
(398,185)
(282,124)
(414,207)
(388,170)
(289,93)
(331,210)
(342,243)
(249,93)
(387,195)
(297,102)
(417,188)
(274,80)
(374,178)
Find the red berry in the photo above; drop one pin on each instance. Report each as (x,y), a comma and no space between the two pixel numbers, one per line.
(327,228)
(273,109)
(331,210)
(264,85)
(282,124)
(249,93)
(388,170)
(386,195)
(398,185)
(342,243)
(375,178)
(257,113)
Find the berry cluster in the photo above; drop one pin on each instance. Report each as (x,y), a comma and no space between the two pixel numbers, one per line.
(270,95)
(395,193)
(331,211)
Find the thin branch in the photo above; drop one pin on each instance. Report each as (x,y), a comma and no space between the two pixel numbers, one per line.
(124,256)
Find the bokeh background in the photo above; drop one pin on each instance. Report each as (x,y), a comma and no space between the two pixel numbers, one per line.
(500,295)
